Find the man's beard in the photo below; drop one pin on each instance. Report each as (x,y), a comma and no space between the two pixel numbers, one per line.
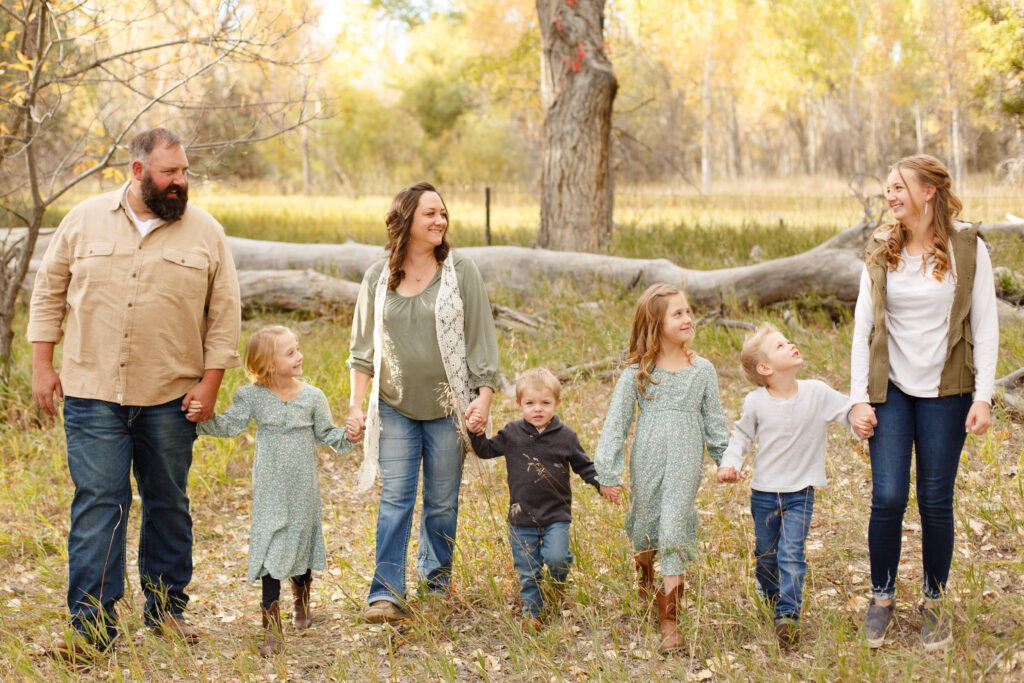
(167,208)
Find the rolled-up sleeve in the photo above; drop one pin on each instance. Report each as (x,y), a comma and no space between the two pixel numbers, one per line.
(481,340)
(223,312)
(49,292)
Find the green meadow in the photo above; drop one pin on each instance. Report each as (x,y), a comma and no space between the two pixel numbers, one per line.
(603,632)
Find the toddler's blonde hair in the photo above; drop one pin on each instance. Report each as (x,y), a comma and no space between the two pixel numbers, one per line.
(538,378)
(752,354)
(258,358)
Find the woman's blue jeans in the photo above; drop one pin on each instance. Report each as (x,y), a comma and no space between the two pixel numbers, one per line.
(106,443)
(933,429)
(781,523)
(532,548)
(405,444)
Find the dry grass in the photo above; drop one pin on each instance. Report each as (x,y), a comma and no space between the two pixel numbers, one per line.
(604,634)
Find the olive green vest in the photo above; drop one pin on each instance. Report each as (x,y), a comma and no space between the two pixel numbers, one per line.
(958,371)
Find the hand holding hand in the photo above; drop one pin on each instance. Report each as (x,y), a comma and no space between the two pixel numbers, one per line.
(863,420)
(355,424)
(354,429)
(205,394)
(979,417)
(729,474)
(478,413)
(611,493)
(194,409)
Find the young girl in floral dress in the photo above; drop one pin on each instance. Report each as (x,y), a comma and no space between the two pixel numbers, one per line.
(674,394)
(286,538)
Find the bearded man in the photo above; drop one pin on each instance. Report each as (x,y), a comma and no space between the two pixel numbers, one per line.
(146,290)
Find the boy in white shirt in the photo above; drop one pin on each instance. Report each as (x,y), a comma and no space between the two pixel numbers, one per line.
(789,418)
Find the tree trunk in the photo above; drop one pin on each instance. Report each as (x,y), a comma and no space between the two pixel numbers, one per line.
(577,87)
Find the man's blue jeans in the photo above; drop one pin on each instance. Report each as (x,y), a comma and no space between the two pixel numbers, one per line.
(532,548)
(405,444)
(106,443)
(781,523)
(933,429)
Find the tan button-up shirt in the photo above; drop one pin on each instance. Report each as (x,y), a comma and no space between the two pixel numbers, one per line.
(145,315)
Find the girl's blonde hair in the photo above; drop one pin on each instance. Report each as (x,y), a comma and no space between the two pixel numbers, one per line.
(260,351)
(931,172)
(645,335)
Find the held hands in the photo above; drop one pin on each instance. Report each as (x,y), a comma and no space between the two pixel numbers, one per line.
(194,409)
(354,429)
(863,420)
(477,414)
(979,417)
(730,475)
(611,493)
(355,424)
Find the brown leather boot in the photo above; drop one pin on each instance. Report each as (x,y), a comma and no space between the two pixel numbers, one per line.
(273,638)
(668,605)
(645,576)
(302,619)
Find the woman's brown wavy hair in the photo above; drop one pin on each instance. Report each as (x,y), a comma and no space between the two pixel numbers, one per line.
(931,172)
(645,335)
(399,222)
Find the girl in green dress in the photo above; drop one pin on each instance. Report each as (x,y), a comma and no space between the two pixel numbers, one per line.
(673,393)
(286,539)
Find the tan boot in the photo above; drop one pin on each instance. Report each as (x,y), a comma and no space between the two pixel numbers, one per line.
(273,638)
(302,619)
(645,576)
(668,605)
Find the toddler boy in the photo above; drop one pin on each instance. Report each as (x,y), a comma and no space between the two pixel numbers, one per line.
(539,451)
(789,418)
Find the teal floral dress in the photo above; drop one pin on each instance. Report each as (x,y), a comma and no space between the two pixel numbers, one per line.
(286,535)
(680,415)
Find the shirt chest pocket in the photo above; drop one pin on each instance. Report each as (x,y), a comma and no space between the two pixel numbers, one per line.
(93,262)
(185,271)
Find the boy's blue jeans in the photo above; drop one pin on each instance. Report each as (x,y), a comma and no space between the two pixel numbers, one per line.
(106,443)
(532,548)
(781,523)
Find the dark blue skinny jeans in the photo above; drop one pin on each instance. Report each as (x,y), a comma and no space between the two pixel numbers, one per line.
(932,429)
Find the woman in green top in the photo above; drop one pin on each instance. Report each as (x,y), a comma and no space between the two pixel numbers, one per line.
(423,341)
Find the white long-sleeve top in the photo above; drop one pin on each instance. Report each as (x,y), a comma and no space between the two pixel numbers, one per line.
(790,433)
(917,310)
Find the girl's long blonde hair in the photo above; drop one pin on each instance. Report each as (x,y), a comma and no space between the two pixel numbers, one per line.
(931,172)
(258,358)
(645,335)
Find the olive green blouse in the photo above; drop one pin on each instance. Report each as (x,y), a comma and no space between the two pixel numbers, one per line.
(413,377)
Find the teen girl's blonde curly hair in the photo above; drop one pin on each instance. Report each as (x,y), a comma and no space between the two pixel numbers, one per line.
(931,172)
(645,335)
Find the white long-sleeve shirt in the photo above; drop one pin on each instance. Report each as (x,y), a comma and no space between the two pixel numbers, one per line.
(790,433)
(917,310)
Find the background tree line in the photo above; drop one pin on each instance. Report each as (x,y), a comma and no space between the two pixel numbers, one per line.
(707,90)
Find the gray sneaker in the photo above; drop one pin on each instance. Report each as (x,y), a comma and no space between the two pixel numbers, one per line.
(936,627)
(877,622)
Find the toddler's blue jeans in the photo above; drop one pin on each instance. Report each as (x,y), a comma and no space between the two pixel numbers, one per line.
(781,522)
(532,548)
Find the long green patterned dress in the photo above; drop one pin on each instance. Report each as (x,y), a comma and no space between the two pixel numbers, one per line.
(286,535)
(681,414)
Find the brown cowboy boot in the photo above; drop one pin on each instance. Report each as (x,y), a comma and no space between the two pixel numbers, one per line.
(645,576)
(273,638)
(302,619)
(668,605)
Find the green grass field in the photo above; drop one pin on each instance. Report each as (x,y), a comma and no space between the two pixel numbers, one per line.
(603,633)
